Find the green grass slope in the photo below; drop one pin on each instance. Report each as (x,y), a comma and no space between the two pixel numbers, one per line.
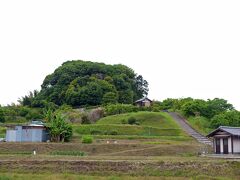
(201,124)
(113,129)
(153,119)
(151,124)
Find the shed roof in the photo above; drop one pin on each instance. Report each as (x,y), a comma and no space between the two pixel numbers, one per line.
(34,123)
(143,99)
(235,131)
(38,123)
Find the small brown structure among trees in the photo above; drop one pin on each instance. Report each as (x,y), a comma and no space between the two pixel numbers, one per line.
(144,102)
(226,140)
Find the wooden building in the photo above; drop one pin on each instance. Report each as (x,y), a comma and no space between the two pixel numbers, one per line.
(144,102)
(226,140)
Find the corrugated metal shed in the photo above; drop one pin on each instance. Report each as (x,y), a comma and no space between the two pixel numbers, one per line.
(27,133)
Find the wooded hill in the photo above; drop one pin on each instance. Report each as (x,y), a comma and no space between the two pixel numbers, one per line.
(82,83)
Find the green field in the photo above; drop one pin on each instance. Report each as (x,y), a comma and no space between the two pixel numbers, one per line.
(170,167)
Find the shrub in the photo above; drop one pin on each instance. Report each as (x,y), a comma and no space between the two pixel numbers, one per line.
(34,114)
(132,120)
(124,121)
(137,123)
(113,132)
(95,132)
(87,139)
(114,109)
(74,116)
(23,111)
(156,108)
(68,153)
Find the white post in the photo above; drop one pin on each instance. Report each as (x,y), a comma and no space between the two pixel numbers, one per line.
(221,145)
(230,145)
(214,145)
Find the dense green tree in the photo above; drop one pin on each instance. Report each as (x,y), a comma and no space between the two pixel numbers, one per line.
(91,94)
(19,113)
(141,87)
(174,104)
(2,118)
(110,98)
(230,118)
(196,107)
(168,103)
(217,106)
(80,83)
(125,97)
(28,99)
(199,107)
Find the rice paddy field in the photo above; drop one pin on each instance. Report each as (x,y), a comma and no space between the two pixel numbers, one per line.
(153,148)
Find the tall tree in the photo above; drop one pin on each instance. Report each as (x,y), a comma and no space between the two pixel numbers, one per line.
(2,117)
(141,87)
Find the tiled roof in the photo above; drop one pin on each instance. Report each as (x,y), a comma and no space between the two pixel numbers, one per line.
(235,131)
(232,130)
(143,99)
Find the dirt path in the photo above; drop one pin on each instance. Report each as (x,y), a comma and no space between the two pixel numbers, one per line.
(188,129)
(131,150)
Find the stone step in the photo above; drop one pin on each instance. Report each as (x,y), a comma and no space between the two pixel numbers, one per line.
(188,129)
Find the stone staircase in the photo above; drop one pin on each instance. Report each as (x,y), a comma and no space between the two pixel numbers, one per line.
(188,129)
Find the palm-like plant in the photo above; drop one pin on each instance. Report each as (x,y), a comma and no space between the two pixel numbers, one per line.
(59,129)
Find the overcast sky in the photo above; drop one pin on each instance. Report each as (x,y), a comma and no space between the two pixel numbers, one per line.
(181,47)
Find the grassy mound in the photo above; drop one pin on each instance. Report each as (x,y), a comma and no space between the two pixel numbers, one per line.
(150,124)
(153,119)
